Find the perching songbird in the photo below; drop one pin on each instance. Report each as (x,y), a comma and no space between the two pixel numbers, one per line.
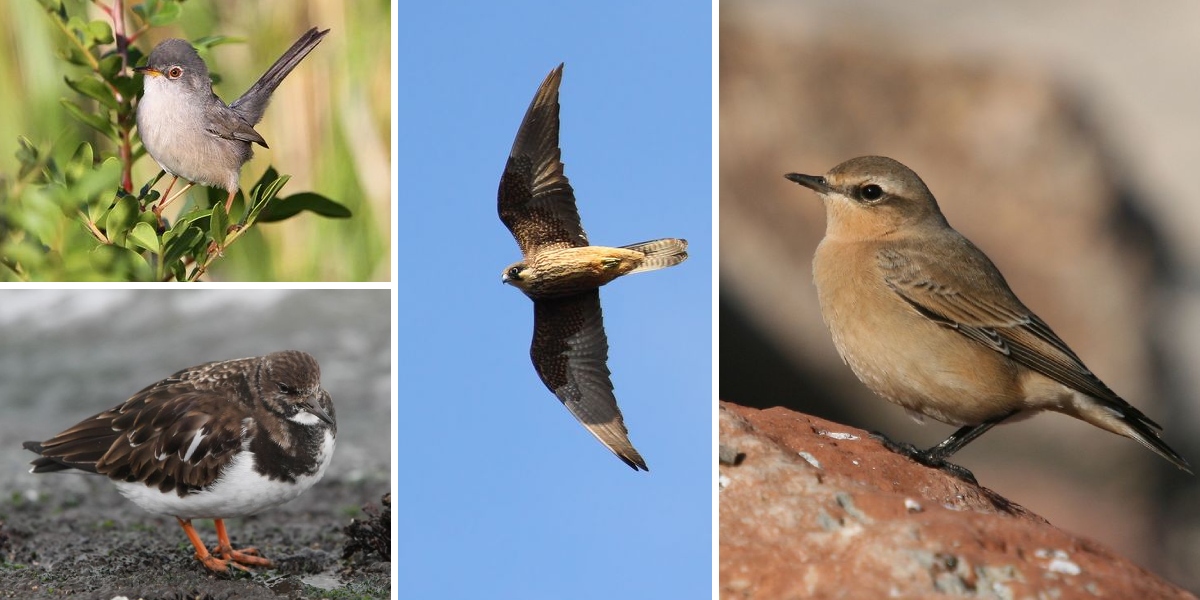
(925,319)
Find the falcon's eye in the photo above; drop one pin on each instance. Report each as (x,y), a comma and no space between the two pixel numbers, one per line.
(871,192)
(285,388)
(175,72)
(514,273)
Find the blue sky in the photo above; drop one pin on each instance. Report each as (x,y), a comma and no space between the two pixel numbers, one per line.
(502,493)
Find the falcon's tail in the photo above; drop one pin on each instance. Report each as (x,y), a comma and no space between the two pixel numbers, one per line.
(660,254)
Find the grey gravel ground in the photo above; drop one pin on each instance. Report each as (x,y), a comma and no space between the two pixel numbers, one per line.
(95,544)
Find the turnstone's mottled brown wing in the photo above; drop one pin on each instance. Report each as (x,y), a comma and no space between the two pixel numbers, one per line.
(535,200)
(570,352)
(170,435)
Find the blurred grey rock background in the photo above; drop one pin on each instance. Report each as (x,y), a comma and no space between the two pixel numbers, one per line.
(1061,139)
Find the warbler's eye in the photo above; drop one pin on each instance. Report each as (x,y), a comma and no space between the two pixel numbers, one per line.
(175,72)
(871,192)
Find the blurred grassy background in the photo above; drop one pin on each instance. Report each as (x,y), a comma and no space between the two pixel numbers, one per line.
(328,124)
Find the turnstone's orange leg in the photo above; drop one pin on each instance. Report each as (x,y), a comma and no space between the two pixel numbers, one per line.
(245,556)
(209,561)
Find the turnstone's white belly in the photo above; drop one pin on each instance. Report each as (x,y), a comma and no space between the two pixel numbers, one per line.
(239,491)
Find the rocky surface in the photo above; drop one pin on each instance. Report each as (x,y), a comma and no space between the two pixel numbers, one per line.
(810,508)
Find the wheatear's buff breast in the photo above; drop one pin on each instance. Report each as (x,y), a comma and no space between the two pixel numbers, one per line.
(900,354)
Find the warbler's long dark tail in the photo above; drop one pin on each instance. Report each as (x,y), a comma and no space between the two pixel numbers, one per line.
(254,102)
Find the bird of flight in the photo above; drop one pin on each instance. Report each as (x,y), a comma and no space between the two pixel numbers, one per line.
(562,274)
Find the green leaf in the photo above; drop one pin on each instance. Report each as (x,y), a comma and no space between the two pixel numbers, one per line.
(110,66)
(100,31)
(120,219)
(99,179)
(97,122)
(264,192)
(93,89)
(28,254)
(107,258)
(285,208)
(144,236)
(80,163)
(74,55)
(128,87)
(179,242)
(218,224)
(78,26)
(101,204)
(166,13)
(27,155)
(178,270)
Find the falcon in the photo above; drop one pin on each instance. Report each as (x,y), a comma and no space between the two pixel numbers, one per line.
(562,274)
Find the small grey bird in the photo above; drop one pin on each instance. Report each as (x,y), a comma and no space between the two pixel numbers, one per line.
(189,131)
(926,320)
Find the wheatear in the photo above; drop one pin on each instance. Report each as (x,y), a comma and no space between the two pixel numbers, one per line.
(926,320)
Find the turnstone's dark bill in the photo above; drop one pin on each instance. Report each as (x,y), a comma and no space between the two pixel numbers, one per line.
(216,441)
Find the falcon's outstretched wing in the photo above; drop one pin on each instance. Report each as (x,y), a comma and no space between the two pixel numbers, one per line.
(570,352)
(535,199)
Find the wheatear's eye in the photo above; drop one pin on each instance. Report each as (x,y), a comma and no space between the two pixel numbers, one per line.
(871,192)
(175,72)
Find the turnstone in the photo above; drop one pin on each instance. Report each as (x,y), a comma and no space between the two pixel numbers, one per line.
(216,441)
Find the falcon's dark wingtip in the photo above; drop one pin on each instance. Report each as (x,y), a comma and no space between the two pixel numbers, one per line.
(635,462)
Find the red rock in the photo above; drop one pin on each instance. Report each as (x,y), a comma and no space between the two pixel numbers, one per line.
(816,509)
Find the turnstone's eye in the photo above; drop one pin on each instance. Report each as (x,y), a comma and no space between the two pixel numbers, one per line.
(285,388)
(175,72)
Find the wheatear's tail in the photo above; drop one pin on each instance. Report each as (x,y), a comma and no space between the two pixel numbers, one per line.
(1119,417)
(660,254)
